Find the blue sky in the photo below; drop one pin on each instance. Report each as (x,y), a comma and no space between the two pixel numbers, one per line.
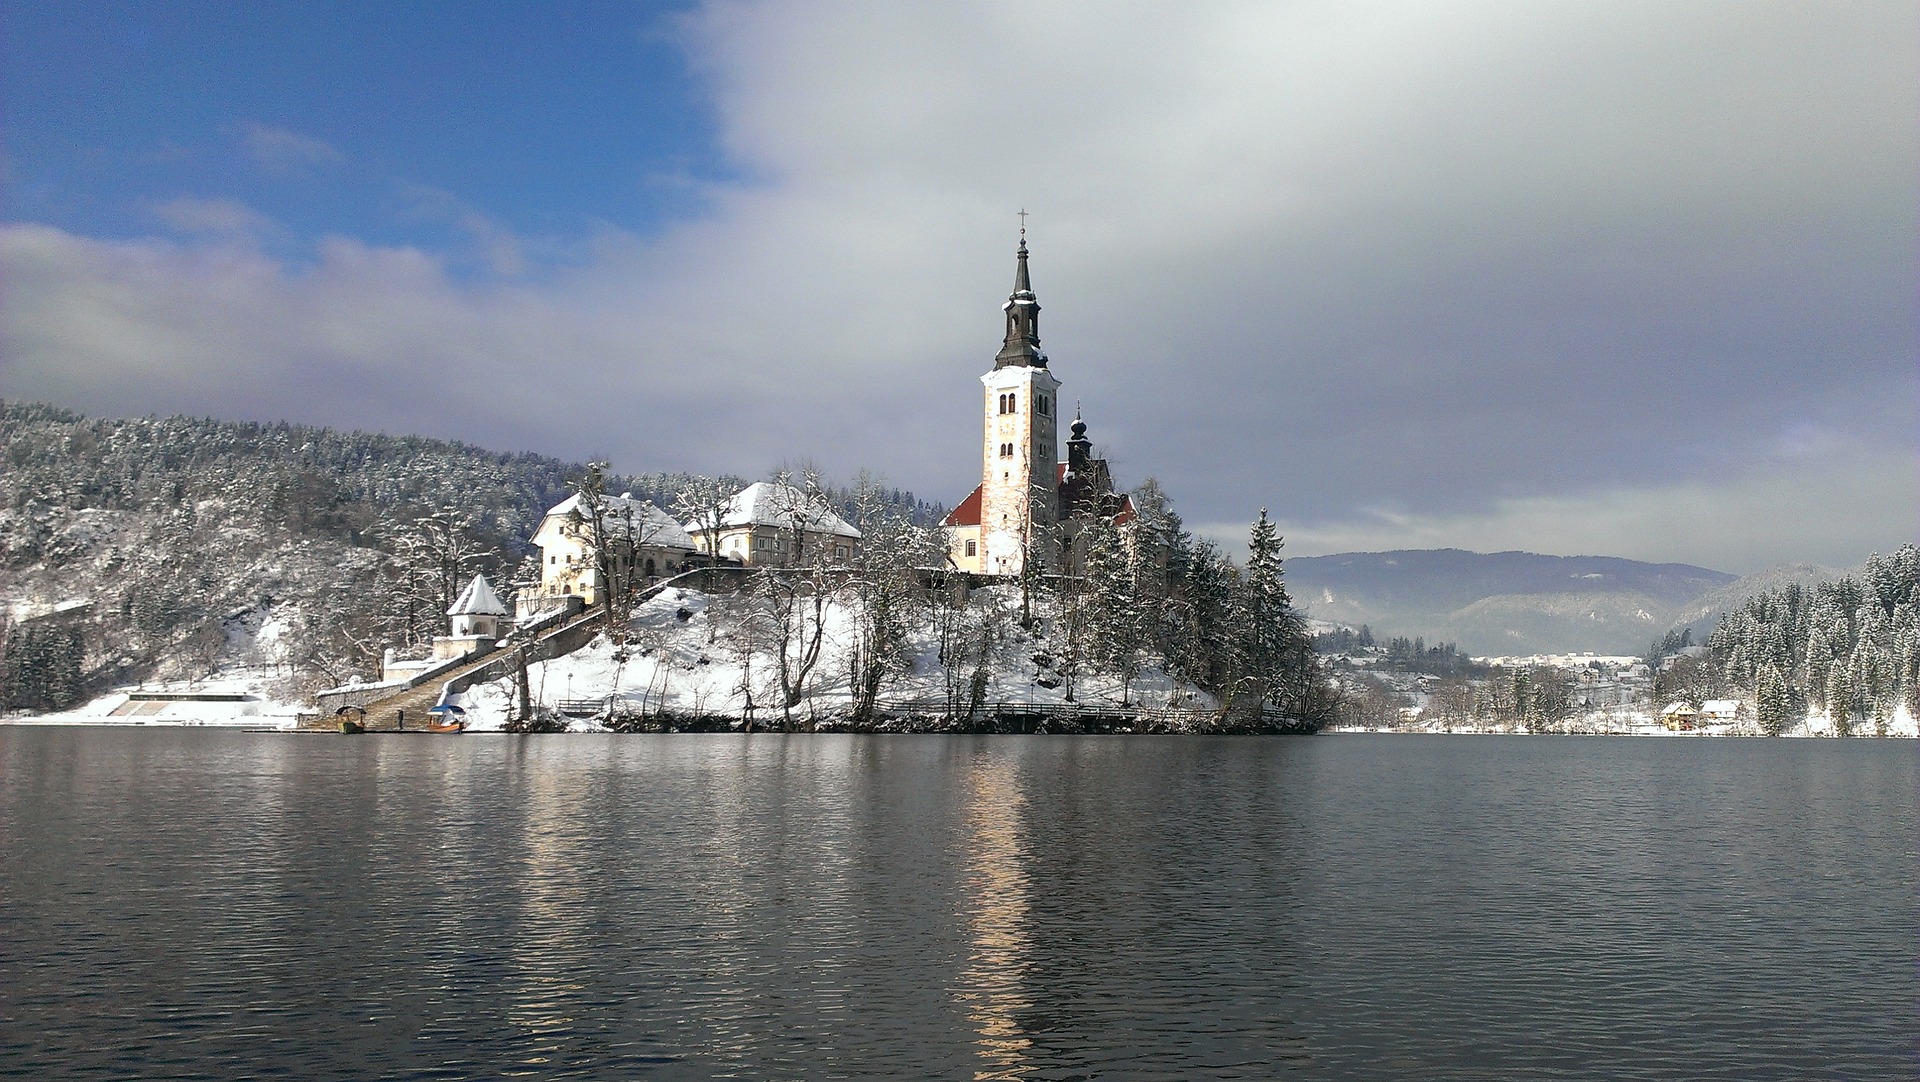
(1632,279)
(348,118)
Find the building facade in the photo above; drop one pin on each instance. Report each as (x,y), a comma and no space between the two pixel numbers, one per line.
(644,542)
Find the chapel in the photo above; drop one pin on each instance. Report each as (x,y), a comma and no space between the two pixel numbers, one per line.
(1029,507)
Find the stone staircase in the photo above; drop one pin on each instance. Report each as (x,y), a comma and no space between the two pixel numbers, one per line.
(385,715)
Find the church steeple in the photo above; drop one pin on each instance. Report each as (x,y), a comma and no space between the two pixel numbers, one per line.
(1022,345)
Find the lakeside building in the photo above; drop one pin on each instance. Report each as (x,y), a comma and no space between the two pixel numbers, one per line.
(1029,506)
(769,523)
(645,543)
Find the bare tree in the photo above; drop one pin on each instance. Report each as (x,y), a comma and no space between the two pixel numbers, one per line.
(882,588)
(432,556)
(702,503)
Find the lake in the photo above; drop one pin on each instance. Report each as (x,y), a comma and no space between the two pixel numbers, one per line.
(207,904)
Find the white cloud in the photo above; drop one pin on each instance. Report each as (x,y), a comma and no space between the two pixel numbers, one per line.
(279,150)
(1319,257)
(218,218)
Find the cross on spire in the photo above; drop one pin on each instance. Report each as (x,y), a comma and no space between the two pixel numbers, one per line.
(1023,224)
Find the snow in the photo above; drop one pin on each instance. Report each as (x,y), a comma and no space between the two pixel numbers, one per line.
(478,599)
(702,666)
(765,503)
(247,684)
(1641,722)
(659,529)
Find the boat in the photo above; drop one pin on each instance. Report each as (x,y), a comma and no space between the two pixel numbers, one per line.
(451,719)
(351,719)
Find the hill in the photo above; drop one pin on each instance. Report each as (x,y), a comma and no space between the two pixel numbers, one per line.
(150,548)
(1505,602)
(1703,612)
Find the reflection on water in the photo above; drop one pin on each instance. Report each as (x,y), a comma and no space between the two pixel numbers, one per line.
(550,860)
(993,984)
(225,905)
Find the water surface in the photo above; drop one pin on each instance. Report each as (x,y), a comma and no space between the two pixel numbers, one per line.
(197,904)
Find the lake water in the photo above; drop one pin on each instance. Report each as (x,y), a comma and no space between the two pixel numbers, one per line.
(195,904)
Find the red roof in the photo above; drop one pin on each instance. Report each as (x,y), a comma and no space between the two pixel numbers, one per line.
(968,513)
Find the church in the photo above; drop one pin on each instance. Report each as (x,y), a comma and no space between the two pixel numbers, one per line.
(1029,507)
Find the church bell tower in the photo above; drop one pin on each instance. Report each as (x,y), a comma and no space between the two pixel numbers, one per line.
(1019,482)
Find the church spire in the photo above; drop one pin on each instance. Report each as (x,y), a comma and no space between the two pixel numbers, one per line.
(1022,345)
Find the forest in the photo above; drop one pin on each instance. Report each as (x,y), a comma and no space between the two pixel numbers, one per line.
(132,549)
(135,550)
(1849,648)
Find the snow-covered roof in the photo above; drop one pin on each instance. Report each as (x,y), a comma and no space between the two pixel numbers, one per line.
(651,526)
(765,503)
(478,599)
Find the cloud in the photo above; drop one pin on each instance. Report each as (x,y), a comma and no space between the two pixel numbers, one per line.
(218,218)
(1830,508)
(492,244)
(278,150)
(1528,275)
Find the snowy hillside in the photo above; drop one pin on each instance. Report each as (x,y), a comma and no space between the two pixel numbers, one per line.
(1503,602)
(696,658)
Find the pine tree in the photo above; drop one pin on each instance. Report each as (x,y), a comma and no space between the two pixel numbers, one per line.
(1771,701)
(1116,628)
(1274,661)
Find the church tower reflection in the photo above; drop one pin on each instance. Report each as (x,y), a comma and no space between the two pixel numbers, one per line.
(992,987)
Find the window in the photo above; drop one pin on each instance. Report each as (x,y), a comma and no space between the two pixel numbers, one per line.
(972,548)
(1041,405)
(1013,403)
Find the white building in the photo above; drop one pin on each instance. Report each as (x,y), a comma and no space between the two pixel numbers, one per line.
(476,617)
(774,524)
(644,544)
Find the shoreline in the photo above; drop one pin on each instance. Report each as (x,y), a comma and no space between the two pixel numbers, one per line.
(281,724)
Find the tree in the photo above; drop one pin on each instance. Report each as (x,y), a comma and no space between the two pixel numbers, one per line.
(1111,595)
(797,594)
(588,523)
(892,548)
(433,557)
(702,503)
(1772,702)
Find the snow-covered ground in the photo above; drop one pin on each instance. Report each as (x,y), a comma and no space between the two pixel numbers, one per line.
(248,685)
(1643,723)
(695,655)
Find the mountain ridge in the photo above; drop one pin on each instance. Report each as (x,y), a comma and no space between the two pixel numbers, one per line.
(1503,603)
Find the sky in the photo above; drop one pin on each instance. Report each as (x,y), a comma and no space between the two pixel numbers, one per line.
(1630,279)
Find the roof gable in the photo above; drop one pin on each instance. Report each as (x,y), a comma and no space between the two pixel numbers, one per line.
(968,513)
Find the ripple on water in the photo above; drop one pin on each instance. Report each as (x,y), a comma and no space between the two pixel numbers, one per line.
(201,905)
